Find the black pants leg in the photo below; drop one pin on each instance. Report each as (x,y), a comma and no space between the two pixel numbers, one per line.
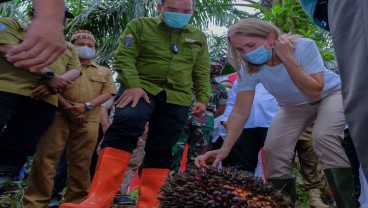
(22,121)
(244,154)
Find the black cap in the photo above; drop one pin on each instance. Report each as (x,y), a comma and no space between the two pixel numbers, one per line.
(68,14)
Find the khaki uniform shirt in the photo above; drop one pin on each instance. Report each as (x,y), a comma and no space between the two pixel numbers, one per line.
(95,80)
(146,58)
(18,81)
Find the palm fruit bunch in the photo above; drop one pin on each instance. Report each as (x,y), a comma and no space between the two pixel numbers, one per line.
(226,187)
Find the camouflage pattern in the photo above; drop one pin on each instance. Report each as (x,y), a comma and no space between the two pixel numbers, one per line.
(218,96)
(198,130)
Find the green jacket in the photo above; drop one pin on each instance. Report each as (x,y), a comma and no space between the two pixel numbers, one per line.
(145,58)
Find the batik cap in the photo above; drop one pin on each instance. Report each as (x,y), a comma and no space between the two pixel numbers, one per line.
(82,34)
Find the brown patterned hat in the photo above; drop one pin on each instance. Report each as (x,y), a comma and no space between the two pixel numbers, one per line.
(82,34)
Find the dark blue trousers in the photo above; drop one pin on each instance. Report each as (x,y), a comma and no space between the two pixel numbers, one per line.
(165,124)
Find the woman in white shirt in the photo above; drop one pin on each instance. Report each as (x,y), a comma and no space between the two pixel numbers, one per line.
(292,70)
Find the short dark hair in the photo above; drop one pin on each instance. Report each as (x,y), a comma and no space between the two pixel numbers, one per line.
(163,1)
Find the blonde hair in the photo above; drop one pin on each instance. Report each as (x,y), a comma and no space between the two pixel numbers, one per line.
(254,28)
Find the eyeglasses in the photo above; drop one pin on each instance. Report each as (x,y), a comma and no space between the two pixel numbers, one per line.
(174,48)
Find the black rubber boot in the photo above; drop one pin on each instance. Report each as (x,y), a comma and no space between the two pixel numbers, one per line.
(286,186)
(342,186)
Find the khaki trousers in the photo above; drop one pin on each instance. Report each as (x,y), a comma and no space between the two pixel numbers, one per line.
(81,140)
(291,121)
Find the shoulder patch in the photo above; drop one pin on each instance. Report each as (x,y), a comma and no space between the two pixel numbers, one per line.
(2,26)
(128,40)
(129,37)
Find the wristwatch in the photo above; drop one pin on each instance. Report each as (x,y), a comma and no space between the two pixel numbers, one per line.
(48,75)
(89,106)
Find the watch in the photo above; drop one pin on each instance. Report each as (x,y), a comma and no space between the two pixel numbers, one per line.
(48,75)
(89,106)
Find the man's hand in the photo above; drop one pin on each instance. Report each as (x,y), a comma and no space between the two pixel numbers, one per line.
(76,109)
(214,157)
(41,91)
(131,95)
(198,108)
(57,84)
(44,43)
(77,119)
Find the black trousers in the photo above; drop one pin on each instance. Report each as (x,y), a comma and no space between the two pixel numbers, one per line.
(165,124)
(244,154)
(22,122)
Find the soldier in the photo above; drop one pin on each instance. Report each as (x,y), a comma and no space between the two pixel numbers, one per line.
(27,106)
(76,123)
(310,169)
(198,131)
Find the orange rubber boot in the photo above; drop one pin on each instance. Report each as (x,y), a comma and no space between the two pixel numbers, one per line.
(151,181)
(110,171)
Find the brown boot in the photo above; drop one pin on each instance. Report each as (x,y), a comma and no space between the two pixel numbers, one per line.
(109,174)
(315,200)
(151,181)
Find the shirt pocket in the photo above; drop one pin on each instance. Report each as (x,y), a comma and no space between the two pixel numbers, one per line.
(97,83)
(154,48)
(191,50)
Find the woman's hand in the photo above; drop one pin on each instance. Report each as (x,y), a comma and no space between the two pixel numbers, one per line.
(283,49)
(214,157)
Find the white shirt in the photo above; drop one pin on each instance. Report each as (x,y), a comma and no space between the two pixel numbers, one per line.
(279,83)
(263,109)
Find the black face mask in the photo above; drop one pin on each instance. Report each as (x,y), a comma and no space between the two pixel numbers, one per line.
(215,73)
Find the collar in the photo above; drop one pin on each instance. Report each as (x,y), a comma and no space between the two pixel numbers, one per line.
(160,21)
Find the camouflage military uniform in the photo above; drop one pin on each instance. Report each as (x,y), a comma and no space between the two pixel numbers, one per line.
(198,130)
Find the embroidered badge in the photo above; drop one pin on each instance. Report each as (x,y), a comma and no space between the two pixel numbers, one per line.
(129,37)
(128,40)
(127,43)
(2,27)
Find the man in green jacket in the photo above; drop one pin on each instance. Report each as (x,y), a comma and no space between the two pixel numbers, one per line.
(158,61)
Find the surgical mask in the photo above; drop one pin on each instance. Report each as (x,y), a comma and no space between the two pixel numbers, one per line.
(258,56)
(176,20)
(85,52)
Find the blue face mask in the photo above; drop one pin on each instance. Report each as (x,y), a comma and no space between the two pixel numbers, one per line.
(258,56)
(176,20)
